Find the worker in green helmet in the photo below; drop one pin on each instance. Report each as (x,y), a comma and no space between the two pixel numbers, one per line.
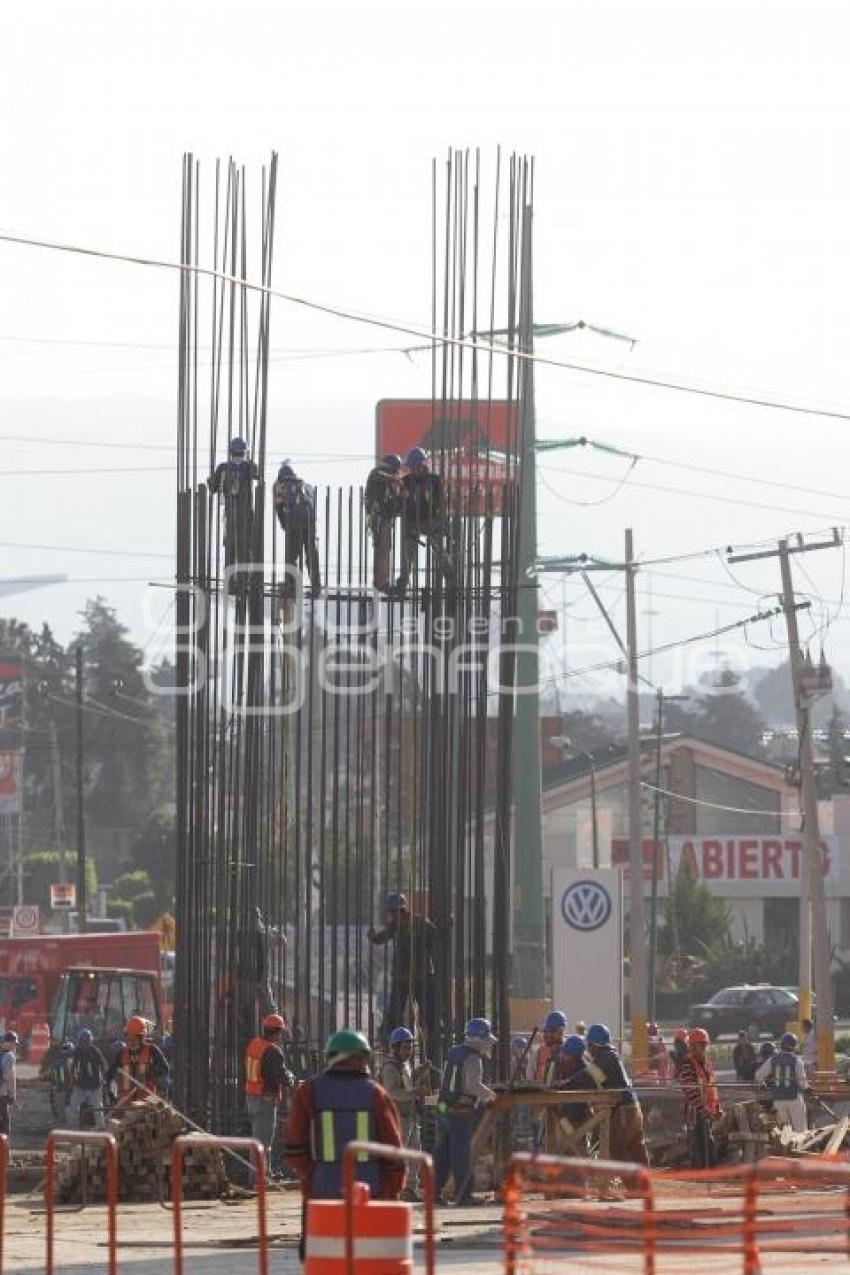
(342,1104)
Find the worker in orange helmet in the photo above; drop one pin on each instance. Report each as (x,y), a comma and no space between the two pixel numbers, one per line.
(140,1067)
(267,1079)
(697,1077)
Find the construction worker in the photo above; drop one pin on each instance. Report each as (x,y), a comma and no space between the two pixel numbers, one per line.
(546,1062)
(384,500)
(463,1095)
(295,506)
(658,1063)
(423,517)
(581,1028)
(702,1102)
(679,1051)
(338,1106)
(88,1076)
(786,1072)
(8,1080)
(140,1067)
(576,1071)
(266,1080)
(413,972)
(398,1080)
(234,481)
(744,1058)
(627,1139)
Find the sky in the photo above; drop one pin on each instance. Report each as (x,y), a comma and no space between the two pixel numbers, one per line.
(692,191)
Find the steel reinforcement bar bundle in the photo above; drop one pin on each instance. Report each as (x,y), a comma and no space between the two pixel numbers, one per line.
(333,748)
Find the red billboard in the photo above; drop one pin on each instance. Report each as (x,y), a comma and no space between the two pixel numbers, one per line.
(470,444)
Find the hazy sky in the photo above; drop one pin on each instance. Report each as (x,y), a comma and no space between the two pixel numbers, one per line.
(692,191)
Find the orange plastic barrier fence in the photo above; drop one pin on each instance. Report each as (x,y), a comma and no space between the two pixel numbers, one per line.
(251,1147)
(403,1156)
(750,1219)
(83,1138)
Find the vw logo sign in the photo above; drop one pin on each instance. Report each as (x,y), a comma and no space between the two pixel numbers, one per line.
(586,905)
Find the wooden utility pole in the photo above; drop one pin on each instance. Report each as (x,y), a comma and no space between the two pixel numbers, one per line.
(637,926)
(81,814)
(814,932)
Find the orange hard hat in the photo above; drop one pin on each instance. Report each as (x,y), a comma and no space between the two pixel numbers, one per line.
(681,1034)
(699,1036)
(273,1023)
(136,1026)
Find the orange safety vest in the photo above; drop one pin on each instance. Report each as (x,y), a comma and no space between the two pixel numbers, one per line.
(254,1055)
(136,1070)
(706,1076)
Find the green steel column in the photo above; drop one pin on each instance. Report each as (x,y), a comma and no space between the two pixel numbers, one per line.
(529,955)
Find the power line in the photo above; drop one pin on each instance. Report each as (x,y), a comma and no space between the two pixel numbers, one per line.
(433,337)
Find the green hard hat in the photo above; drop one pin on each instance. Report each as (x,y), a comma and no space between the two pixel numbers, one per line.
(347,1041)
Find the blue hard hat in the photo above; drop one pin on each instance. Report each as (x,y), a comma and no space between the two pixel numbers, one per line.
(85,1037)
(479,1029)
(415,457)
(401,1036)
(767,1050)
(392,461)
(556,1020)
(573,1047)
(519,1043)
(396,901)
(598,1034)
(788,1041)
(286,470)
(238,446)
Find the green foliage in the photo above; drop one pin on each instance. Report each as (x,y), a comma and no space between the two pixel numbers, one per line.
(695,922)
(134,898)
(154,849)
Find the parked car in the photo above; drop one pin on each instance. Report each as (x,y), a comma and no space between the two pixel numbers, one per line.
(754,1009)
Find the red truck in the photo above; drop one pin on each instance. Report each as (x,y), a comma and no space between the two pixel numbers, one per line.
(73,981)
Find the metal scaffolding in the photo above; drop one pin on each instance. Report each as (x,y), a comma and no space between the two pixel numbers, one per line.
(333,747)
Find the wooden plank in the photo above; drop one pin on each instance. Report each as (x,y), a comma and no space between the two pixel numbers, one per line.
(838,1135)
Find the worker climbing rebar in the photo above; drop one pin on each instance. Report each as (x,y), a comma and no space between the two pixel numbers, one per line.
(384,500)
(424,518)
(413,976)
(295,506)
(234,481)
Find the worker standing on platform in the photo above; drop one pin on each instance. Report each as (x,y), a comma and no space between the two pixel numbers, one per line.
(786,1072)
(397,1078)
(423,518)
(295,506)
(696,1075)
(266,1081)
(384,500)
(234,481)
(413,974)
(547,1060)
(88,1076)
(341,1105)
(140,1067)
(627,1138)
(8,1080)
(463,1095)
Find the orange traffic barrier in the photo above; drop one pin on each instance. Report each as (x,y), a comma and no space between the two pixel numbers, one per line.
(39,1041)
(250,1146)
(358,1219)
(93,1138)
(382,1233)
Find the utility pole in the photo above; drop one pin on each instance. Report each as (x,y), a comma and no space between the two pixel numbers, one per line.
(81,815)
(58,807)
(529,971)
(814,933)
(656,829)
(637,927)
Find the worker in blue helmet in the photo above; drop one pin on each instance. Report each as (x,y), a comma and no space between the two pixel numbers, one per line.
(398,1078)
(627,1136)
(412,957)
(463,1096)
(384,501)
(546,1063)
(576,1072)
(233,481)
(785,1071)
(295,507)
(424,520)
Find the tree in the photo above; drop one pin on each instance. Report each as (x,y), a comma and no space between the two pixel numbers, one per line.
(695,923)
(836,777)
(154,849)
(727,716)
(771,689)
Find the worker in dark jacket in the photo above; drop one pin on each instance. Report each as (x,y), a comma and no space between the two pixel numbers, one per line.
(234,481)
(384,500)
(340,1105)
(424,518)
(413,971)
(295,506)
(576,1072)
(744,1059)
(463,1095)
(88,1077)
(627,1139)
(266,1080)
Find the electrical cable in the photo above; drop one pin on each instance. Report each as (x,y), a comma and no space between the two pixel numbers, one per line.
(714,805)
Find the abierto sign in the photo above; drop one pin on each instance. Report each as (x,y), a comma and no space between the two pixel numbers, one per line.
(587,945)
(742,858)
